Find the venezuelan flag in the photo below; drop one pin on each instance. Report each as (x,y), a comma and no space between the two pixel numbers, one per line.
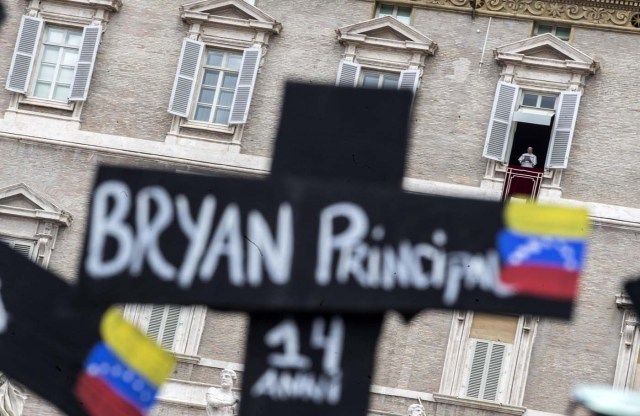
(123,372)
(543,250)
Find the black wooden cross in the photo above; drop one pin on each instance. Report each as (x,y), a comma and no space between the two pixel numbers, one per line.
(319,251)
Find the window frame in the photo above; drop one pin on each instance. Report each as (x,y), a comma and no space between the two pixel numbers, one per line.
(554,28)
(394,13)
(38,63)
(456,364)
(200,77)
(213,31)
(365,70)
(628,360)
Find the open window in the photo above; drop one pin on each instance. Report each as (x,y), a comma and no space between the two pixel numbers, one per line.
(55,55)
(522,119)
(536,104)
(365,63)
(218,68)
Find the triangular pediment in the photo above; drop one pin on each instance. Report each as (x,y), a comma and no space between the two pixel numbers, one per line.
(387,29)
(231,9)
(21,196)
(546,46)
(20,200)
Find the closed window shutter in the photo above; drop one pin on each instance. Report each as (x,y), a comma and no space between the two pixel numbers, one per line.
(486,369)
(163,324)
(494,371)
(409,80)
(563,128)
(477,369)
(246,83)
(184,83)
(348,74)
(86,62)
(495,146)
(24,54)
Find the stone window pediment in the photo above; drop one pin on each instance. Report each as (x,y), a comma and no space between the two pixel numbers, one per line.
(29,217)
(21,201)
(546,52)
(386,32)
(231,13)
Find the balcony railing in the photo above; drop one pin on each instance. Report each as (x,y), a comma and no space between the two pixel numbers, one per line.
(522,182)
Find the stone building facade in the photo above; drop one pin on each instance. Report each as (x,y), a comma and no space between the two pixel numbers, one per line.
(197,87)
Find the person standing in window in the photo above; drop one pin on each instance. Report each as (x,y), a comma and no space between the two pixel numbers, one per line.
(528,160)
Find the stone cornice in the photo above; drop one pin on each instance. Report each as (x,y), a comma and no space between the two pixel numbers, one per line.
(620,15)
(479,404)
(204,12)
(358,34)
(110,5)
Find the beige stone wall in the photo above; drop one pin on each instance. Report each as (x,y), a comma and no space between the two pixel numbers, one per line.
(585,349)
(603,161)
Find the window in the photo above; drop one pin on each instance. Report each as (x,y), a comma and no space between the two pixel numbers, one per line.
(218,86)
(23,247)
(512,130)
(364,65)
(487,358)
(218,68)
(401,13)
(33,222)
(372,79)
(530,99)
(57,63)
(491,342)
(65,57)
(176,328)
(562,32)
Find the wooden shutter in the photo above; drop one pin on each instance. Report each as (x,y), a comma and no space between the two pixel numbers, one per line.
(494,371)
(563,128)
(476,374)
(184,83)
(409,80)
(86,62)
(22,247)
(24,54)
(246,83)
(348,74)
(163,324)
(495,146)
(486,370)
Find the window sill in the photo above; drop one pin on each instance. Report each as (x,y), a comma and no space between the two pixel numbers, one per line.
(218,128)
(48,103)
(479,404)
(187,359)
